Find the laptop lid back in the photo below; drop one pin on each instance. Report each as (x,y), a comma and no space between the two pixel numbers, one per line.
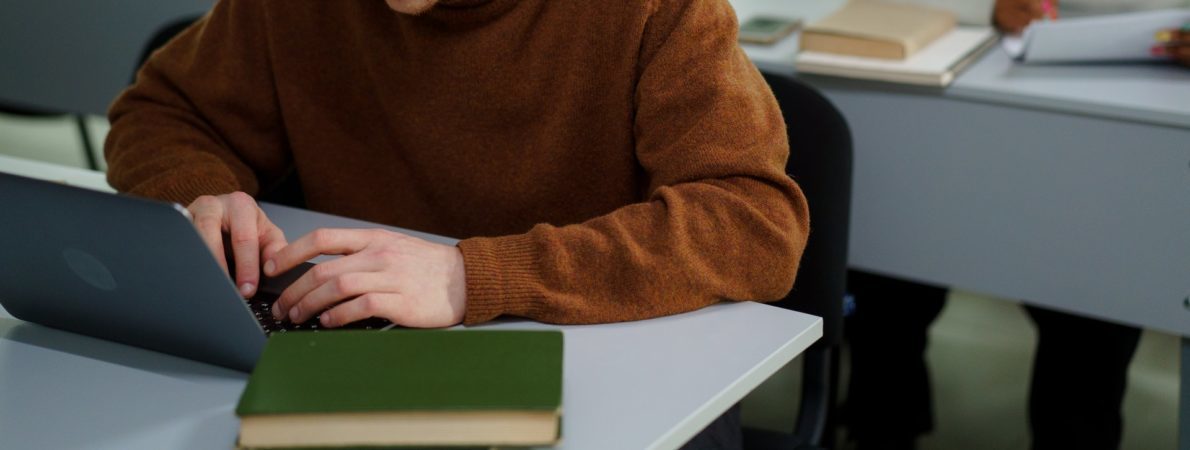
(120,268)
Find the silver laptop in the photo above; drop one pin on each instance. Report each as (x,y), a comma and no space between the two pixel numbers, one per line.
(130,270)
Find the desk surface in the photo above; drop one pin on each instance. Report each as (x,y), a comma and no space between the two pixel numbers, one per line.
(647,384)
(52,172)
(1148,93)
(779,57)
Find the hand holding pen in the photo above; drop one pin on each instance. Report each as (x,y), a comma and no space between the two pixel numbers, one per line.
(1175,44)
(1012,16)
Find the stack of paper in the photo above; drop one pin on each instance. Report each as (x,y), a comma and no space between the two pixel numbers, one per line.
(934,65)
(1116,37)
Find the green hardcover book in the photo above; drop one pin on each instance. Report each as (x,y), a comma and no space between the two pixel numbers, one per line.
(404,388)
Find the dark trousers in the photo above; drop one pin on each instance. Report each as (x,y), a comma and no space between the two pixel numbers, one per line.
(724,433)
(1079,375)
(888,396)
(1079,372)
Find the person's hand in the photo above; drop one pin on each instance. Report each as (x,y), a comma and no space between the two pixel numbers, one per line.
(1180,47)
(1175,44)
(409,281)
(1012,16)
(253,236)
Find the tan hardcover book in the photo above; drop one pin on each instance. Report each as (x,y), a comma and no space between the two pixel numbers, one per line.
(876,29)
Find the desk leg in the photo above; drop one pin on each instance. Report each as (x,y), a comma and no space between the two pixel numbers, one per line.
(1184,397)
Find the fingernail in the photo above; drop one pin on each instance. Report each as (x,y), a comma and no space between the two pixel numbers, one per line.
(277,311)
(269,267)
(1163,36)
(323,320)
(293,314)
(246,289)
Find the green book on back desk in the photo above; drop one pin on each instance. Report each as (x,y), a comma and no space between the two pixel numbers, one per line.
(404,388)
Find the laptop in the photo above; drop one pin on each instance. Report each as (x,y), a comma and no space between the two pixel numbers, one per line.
(130,270)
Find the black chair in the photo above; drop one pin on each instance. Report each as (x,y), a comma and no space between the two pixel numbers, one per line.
(159,38)
(80,122)
(820,161)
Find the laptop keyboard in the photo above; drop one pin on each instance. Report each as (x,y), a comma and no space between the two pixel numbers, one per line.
(262,308)
(271,288)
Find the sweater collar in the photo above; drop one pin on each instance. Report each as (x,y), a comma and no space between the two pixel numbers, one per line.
(468,12)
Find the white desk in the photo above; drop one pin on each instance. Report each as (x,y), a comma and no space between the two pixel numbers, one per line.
(649,384)
(52,172)
(1059,185)
(1076,212)
(1154,94)
(1062,186)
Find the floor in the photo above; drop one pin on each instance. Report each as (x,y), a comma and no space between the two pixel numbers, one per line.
(980,357)
(53,139)
(980,353)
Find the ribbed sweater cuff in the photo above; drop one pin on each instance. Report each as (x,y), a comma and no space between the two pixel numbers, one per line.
(184,188)
(502,278)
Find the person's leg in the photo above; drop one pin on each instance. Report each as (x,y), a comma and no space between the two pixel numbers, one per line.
(1079,375)
(724,433)
(888,397)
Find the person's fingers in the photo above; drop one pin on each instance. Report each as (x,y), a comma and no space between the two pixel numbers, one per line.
(317,276)
(1182,54)
(1016,21)
(245,241)
(323,241)
(1034,8)
(207,214)
(1011,16)
(1009,26)
(272,239)
(338,289)
(363,307)
(1180,38)
(1173,44)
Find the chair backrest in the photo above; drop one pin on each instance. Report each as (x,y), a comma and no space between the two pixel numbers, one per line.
(820,160)
(160,38)
(74,56)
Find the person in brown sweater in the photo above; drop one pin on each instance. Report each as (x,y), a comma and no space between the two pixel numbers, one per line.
(601,161)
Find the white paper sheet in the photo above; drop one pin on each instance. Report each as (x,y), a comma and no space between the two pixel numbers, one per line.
(1116,37)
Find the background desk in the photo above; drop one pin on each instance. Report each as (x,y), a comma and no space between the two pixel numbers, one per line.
(649,384)
(1066,187)
(1058,185)
(1074,211)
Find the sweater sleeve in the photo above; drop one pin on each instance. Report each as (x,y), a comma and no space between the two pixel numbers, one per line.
(720,221)
(202,116)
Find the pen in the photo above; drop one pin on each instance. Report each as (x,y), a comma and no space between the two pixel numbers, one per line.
(1047,10)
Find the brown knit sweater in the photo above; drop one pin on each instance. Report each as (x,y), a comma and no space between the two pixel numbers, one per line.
(602,161)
